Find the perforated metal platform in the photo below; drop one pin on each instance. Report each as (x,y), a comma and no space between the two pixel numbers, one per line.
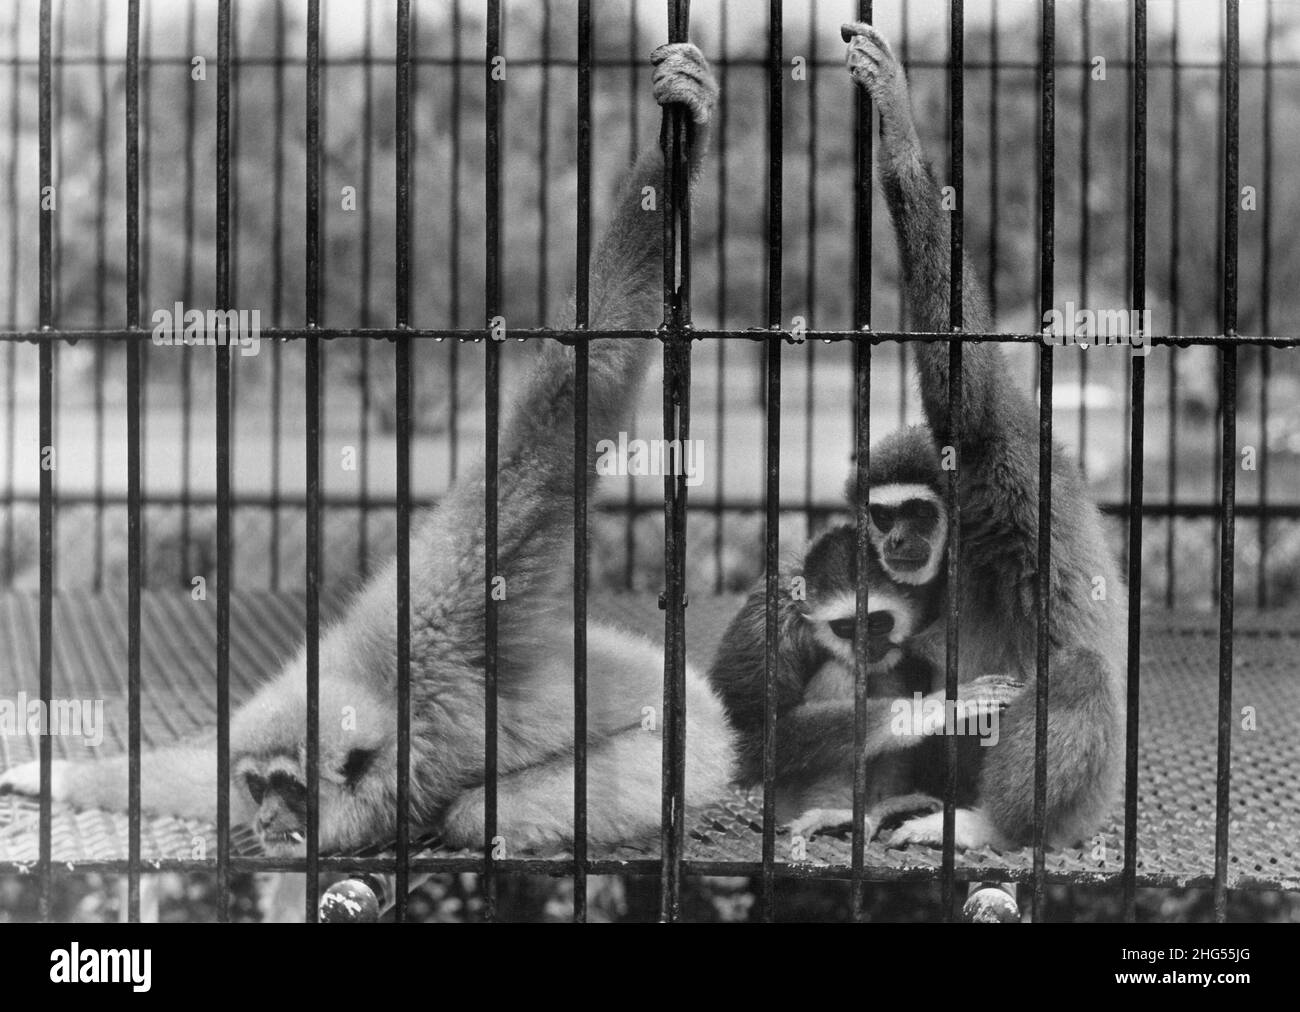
(1176,769)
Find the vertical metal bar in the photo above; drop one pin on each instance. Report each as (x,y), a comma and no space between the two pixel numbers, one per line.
(634,132)
(543,164)
(1221,223)
(403,380)
(904,387)
(277,260)
(11,350)
(1042,585)
(1137,458)
(187,294)
(995,136)
(1085,245)
(1128,250)
(312,279)
(720,378)
(1265,298)
(1228,505)
(223,464)
(58,158)
(1175,299)
(956,142)
(146,221)
(101,297)
(492,413)
(46,521)
(810,272)
(862,156)
(772,497)
(676,422)
(233,295)
(580,439)
(453,244)
(363,410)
(133,509)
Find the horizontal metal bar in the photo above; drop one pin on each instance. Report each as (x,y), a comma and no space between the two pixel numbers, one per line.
(643,866)
(571,335)
(756,62)
(822,508)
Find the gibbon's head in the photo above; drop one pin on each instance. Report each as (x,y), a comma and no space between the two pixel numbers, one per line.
(357,762)
(894,611)
(908,518)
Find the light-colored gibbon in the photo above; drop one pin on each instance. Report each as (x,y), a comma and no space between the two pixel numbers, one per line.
(358,665)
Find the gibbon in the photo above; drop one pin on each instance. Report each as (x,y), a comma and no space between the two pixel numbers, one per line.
(814,679)
(997,461)
(358,666)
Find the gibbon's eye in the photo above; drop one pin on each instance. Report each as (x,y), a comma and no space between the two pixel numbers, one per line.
(289,787)
(921,509)
(357,764)
(256,787)
(880,623)
(882,517)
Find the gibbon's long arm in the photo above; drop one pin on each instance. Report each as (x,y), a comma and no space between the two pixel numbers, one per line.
(535,471)
(998,473)
(179,780)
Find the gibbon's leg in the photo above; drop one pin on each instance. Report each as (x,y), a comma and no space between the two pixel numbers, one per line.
(998,469)
(624,785)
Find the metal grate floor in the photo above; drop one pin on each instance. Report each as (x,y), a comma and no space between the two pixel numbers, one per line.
(1176,790)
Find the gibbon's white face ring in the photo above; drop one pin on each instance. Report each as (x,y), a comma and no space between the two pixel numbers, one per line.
(883,652)
(894,495)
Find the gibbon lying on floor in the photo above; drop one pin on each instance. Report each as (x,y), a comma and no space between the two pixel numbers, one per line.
(358,664)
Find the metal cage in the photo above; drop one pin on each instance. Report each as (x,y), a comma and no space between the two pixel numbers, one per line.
(679,336)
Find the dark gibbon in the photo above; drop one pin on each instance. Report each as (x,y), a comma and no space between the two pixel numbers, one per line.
(997,467)
(814,680)
(358,665)
(997,457)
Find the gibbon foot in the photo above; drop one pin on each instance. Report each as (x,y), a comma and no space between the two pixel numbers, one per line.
(972,828)
(819,820)
(682,76)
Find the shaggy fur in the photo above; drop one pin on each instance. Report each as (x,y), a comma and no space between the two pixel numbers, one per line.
(997,450)
(358,663)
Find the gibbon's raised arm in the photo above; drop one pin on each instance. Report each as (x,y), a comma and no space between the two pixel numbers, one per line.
(998,544)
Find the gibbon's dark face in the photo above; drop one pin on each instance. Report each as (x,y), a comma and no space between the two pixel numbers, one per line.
(357,764)
(895,611)
(909,528)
